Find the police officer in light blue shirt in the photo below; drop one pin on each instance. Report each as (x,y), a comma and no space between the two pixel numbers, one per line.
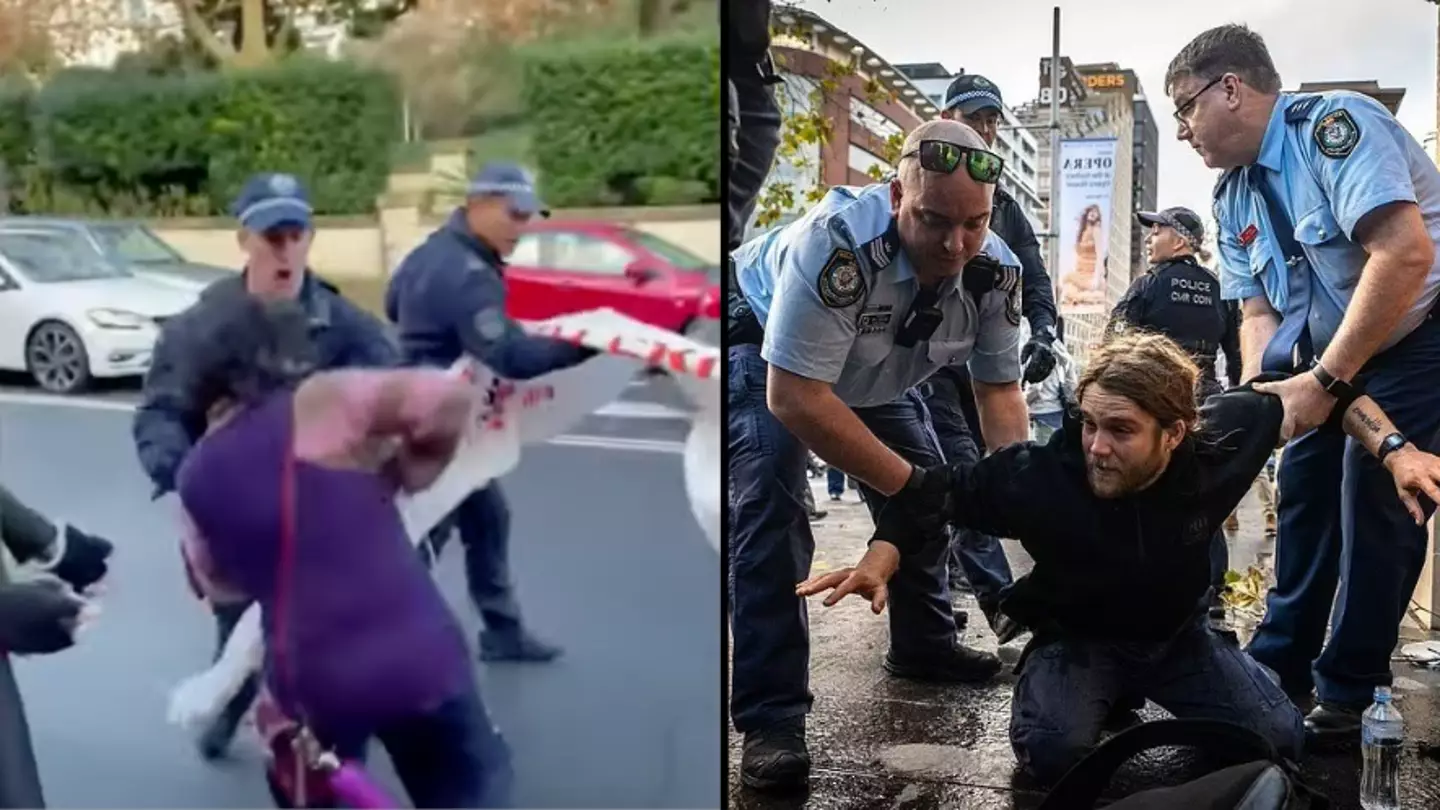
(833,320)
(1328,214)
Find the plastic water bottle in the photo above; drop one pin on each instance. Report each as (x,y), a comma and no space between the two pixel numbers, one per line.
(1382,733)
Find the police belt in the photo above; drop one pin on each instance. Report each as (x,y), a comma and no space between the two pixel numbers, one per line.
(742,328)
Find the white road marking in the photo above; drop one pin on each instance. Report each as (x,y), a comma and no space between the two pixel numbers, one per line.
(624,410)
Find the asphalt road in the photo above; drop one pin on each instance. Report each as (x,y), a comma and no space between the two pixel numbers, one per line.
(608,561)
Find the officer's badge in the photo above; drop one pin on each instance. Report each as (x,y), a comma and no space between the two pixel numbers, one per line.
(284,185)
(981,83)
(1336,134)
(840,282)
(1012,305)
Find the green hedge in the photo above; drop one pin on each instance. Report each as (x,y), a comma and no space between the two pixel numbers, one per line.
(136,145)
(15,136)
(626,123)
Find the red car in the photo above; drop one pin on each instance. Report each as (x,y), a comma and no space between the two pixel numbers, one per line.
(563,266)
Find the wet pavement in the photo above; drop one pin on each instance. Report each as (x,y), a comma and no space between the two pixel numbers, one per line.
(881,742)
(608,560)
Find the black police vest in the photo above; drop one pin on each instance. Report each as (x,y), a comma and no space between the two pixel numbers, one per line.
(1184,305)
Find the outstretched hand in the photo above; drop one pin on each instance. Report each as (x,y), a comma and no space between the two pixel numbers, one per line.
(1416,473)
(867,578)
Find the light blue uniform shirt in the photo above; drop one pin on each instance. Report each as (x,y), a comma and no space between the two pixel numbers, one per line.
(1325,197)
(787,275)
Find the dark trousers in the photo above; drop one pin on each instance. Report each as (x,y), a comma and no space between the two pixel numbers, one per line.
(1344,538)
(980,556)
(1068,687)
(771,547)
(452,756)
(835,482)
(226,618)
(483,521)
(754,122)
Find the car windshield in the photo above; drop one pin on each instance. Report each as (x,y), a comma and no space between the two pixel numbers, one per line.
(677,256)
(48,257)
(135,244)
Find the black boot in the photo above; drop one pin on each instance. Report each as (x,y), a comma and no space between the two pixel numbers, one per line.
(516,646)
(214,741)
(959,664)
(775,758)
(1333,723)
(1005,628)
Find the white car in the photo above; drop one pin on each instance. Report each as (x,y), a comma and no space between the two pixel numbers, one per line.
(68,315)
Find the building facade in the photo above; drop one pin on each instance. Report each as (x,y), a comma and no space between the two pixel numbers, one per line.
(871,103)
(1389,96)
(1101,112)
(1013,143)
(1108,78)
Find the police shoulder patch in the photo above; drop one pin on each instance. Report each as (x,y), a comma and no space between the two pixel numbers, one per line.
(840,283)
(1336,134)
(1012,305)
(490,323)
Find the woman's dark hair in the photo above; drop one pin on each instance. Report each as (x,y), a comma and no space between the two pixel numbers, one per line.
(247,348)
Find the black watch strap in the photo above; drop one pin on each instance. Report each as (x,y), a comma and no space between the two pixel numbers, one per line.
(1337,388)
(1390,444)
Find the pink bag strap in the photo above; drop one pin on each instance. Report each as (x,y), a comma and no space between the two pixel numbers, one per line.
(285,570)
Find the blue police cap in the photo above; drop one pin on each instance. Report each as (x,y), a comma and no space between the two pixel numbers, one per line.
(270,200)
(971,93)
(509,180)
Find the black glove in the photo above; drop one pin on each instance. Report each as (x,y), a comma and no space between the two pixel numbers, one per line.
(1038,358)
(83,561)
(917,514)
(37,617)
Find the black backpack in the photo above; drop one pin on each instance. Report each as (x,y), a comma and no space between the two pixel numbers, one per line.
(1253,775)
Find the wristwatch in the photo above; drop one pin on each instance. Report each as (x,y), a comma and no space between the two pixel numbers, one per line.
(1340,389)
(1390,444)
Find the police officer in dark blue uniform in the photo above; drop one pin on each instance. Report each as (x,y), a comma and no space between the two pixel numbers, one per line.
(976,100)
(752,117)
(276,230)
(448,298)
(1180,298)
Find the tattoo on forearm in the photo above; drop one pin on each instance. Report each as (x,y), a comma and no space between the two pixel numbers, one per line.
(1371,423)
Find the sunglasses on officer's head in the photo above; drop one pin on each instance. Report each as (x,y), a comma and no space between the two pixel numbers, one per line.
(946,157)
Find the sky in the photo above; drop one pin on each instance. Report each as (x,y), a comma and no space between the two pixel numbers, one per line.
(1390,41)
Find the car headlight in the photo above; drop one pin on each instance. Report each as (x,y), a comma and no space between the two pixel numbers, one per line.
(117,319)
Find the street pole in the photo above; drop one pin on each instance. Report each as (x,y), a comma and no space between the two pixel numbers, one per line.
(1054,252)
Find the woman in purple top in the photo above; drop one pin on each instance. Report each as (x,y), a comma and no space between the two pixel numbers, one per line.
(293,492)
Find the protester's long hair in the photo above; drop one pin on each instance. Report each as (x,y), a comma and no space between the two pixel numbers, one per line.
(246,349)
(1150,370)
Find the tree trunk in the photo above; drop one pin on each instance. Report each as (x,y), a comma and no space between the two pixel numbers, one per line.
(254,50)
(652,13)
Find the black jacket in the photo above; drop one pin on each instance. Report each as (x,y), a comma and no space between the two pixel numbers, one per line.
(168,422)
(1126,569)
(1037,300)
(1180,299)
(747,34)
